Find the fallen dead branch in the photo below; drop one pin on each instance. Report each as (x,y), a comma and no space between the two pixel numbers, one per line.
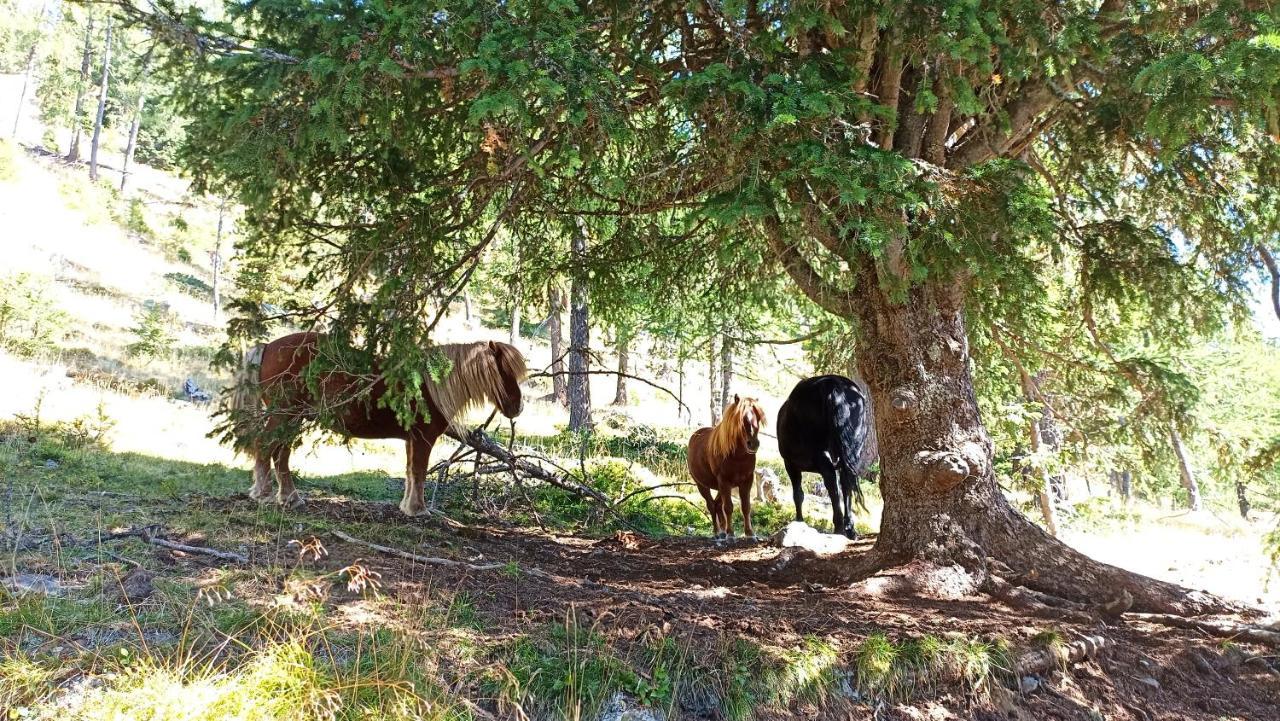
(224,555)
(1218,628)
(484,443)
(150,535)
(434,560)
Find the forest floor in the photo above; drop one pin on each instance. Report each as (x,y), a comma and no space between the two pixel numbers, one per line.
(502,620)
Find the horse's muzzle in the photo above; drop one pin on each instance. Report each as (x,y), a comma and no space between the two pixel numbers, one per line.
(753,445)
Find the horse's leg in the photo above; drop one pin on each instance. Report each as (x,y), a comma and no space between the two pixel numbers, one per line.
(418,451)
(288,495)
(726,509)
(744,493)
(797,488)
(713,509)
(848,480)
(830,480)
(261,488)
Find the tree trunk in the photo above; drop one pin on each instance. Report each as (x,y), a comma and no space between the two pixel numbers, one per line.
(1185,469)
(943,511)
(217,262)
(1269,260)
(133,130)
(1122,481)
(1242,499)
(559,384)
(579,337)
(680,388)
(22,96)
(713,390)
(624,353)
(102,106)
(73,153)
(726,371)
(514,334)
(1035,436)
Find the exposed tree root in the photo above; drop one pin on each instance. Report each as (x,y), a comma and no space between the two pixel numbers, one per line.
(1218,628)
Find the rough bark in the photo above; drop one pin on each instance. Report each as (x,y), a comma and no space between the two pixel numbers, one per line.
(1122,481)
(559,384)
(624,360)
(943,509)
(1242,499)
(73,153)
(1185,470)
(102,105)
(579,337)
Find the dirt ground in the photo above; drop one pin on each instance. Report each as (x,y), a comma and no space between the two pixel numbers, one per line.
(627,585)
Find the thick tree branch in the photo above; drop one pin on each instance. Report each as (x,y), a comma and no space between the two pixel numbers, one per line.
(813,285)
(1269,260)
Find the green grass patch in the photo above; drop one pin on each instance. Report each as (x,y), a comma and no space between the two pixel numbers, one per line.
(900,670)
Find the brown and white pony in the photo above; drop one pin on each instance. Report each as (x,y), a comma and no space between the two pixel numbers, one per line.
(273,401)
(723,458)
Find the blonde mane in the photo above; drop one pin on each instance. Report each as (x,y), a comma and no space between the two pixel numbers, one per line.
(731,431)
(474,377)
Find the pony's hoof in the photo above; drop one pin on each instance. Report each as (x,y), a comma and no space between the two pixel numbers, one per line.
(851,534)
(412,510)
(260,495)
(292,502)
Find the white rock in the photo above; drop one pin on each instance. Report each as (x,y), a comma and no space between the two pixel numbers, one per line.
(622,707)
(798,534)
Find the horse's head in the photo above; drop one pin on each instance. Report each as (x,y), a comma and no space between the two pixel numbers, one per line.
(511,370)
(752,418)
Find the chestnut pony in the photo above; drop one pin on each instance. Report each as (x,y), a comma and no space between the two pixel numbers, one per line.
(273,401)
(724,458)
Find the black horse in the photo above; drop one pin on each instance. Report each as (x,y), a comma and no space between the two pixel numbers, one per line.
(822,428)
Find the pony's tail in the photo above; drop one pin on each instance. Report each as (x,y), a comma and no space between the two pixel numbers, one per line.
(244,407)
(852,428)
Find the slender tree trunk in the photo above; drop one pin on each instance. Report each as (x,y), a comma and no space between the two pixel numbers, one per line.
(624,353)
(1185,470)
(22,96)
(26,73)
(217,263)
(1035,436)
(680,388)
(943,509)
(726,371)
(102,106)
(713,389)
(136,124)
(514,334)
(1269,259)
(86,59)
(579,337)
(559,384)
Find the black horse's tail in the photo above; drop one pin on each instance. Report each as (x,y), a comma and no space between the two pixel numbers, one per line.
(848,407)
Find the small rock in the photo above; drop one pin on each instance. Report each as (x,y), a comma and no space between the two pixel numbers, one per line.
(23,583)
(1028,684)
(51,465)
(1149,681)
(621,707)
(801,535)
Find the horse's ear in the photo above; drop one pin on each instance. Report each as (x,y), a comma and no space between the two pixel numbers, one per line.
(735,397)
